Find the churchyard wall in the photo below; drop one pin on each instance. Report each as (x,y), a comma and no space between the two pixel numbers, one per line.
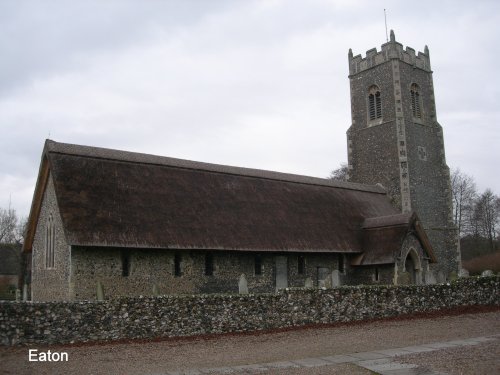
(188,315)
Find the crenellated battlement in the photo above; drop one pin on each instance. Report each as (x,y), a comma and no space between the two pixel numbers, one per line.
(390,50)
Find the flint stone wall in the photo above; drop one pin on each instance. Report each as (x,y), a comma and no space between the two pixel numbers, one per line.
(174,316)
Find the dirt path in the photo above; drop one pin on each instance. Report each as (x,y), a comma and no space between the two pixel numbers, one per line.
(174,355)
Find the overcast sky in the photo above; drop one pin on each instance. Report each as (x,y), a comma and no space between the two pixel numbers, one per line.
(259,84)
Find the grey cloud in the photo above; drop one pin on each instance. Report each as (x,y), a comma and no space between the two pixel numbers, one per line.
(261,84)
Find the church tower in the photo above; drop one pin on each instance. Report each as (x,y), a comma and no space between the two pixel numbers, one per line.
(395,140)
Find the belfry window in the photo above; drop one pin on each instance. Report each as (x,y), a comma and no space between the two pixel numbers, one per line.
(415,101)
(374,103)
(50,242)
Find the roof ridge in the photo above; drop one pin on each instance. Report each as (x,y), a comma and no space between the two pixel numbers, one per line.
(142,158)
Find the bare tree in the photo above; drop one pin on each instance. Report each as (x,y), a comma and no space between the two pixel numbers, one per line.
(8,225)
(21,229)
(340,174)
(464,193)
(487,213)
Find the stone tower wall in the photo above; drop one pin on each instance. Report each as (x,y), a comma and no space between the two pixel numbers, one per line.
(402,152)
(376,139)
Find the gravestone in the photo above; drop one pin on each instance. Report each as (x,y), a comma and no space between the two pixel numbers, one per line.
(25,292)
(328,281)
(308,283)
(487,273)
(404,278)
(155,290)
(281,272)
(323,273)
(243,285)
(430,278)
(463,273)
(100,291)
(335,278)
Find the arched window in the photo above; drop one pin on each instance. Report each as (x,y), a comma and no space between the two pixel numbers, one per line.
(177,265)
(125,263)
(415,101)
(374,103)
(258,264)
(301,264)
(50,241)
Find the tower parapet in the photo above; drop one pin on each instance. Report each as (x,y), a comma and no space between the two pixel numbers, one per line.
(390,50)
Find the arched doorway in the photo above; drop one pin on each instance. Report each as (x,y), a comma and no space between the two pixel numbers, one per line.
(412,266)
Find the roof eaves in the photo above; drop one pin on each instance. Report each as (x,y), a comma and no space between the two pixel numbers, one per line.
(201,248)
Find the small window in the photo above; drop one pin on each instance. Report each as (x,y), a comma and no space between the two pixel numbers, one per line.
(209,264)
(301,264)
(374,103)
(50,242)
(125,263)
(341,263)
(258,265)
(415,101)
(377,275)
(177,265)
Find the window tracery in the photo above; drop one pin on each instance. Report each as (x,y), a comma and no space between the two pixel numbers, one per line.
(50,242)
(374,103)
(415,101)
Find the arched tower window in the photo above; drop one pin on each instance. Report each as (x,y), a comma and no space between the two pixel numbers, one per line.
(50,241)
(374,103)
(415,101)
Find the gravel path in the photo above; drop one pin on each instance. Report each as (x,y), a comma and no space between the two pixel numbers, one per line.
(481,359)
(170,355)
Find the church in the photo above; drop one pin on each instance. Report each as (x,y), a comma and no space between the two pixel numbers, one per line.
(106,223)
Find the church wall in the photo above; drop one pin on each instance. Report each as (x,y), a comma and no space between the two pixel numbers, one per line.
(380,274)
(381,76)
(371,143)
(409,75)
(429,175)
(155,267)
(50,283)
(374,145)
